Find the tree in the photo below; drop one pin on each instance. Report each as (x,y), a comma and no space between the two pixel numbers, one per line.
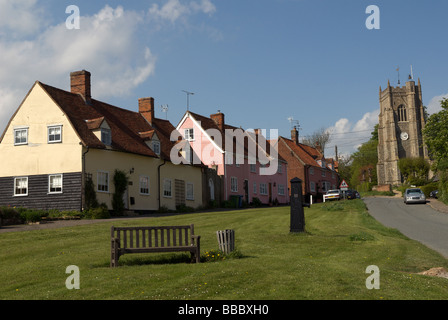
(318,138)
(414,170)
(435,133)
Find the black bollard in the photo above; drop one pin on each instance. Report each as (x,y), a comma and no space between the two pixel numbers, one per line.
(297,215)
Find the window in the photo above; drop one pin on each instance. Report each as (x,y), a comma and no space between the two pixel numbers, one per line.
(21,186)
(54,134)
(55,183)
(281,189)
(279,168)
(167,188)
(402,116)
(255,187)
(190,191)
(156,147)
(234,184)
(312,186)
(20,136)
(106,137)
(144,185)
(189,134)
(312,170)
(324,174)
(103,182)
(253,168)
(263,188)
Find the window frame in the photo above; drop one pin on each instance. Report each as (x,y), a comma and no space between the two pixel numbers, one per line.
(107,138)
(189,134)
(26,129)
(165,195)
(49,183)
(15,187)
(189,196)
(263,189)
(156,147)
(233,184)
(281,191)
(98,181)
(60,133)
(140,188)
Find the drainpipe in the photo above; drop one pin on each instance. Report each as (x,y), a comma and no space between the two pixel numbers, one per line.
(83,173)
(158,178)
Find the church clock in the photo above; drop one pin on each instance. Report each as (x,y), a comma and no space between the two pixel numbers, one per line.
(404,136)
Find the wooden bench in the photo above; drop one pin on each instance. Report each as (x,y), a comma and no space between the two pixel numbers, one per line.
(153,239)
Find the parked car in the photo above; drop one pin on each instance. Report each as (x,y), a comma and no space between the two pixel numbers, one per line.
(433,194)
(352,194)
(414,195)
(334,194)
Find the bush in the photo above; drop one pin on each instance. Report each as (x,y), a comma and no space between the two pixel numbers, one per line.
(218,255)
(184,208)
(101,212)
(256,202)
(31,215)
(429,187)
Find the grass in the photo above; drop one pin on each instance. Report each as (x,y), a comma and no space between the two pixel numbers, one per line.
(328,261)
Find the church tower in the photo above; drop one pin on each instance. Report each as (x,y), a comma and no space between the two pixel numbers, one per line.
(401,121)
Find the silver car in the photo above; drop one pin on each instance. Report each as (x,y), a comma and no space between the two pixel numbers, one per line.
(414,195)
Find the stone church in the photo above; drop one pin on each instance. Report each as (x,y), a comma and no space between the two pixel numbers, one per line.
(401,121)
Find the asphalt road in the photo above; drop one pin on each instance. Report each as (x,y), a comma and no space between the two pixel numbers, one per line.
(416,221)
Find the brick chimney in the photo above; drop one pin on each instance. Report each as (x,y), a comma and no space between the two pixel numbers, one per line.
(146,108)
(219,119)
(80,84)
(295,136)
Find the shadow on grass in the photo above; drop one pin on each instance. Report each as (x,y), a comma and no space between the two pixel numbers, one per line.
(169,258)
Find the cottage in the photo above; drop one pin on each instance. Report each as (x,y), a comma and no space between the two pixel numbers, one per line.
(317,173)
(243,160)
(57,140)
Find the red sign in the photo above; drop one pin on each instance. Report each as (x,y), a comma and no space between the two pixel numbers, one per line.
(344,185)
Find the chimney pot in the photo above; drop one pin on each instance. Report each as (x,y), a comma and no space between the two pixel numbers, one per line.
(80,84)
(146,108)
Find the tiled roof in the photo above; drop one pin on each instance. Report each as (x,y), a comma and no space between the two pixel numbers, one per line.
(307,154)
(126,126)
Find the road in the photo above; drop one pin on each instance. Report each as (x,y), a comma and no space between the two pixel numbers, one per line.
(417,221)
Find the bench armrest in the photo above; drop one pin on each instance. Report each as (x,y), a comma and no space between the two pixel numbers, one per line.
(195,240)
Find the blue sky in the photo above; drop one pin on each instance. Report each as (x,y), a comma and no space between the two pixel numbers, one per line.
(258,61)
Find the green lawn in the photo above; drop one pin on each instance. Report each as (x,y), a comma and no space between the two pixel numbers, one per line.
(328,261)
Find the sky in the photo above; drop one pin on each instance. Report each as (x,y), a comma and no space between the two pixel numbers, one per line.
(266,64)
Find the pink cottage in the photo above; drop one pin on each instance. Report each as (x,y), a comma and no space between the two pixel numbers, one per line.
(248,166)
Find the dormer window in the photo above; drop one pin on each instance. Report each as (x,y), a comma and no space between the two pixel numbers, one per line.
(106,136)
(156,147)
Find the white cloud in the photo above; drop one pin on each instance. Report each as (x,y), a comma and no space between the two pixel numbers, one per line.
(106,44)
(348,136)
(174,10)
(434,104)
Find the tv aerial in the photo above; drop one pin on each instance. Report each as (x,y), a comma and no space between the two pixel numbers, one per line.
(165,110)
(188,98)
(294,123)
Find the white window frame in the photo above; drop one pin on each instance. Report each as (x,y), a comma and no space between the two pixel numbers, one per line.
(255,188)
(167,193)
(100,183)
(49,183)
(233,184)
(106,136)
(16,130)
(189,191)
(263,188)
(144,185)
(49,135)
(281,189)
(189,134)
(15,187)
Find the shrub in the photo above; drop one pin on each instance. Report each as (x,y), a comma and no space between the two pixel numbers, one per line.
(31,215)
(100,212)
(121,183)
(184,208)
(218,255)
(256,202)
